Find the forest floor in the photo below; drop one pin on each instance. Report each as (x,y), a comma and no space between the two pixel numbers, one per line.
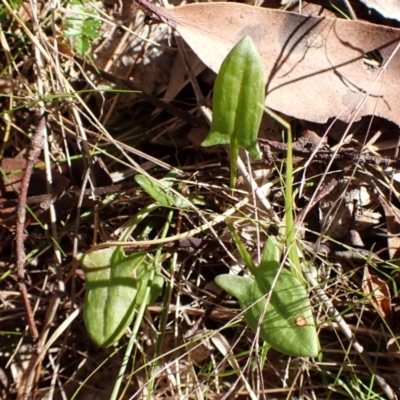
(120,104)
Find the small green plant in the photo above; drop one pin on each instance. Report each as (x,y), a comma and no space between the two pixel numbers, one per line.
(238,103)
(83,26)
(274,299)
(161,192)
(287,323)
(115,287)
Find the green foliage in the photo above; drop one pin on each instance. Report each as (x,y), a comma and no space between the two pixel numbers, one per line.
(285,316)
(4,13)
(82,26)
(115,284)
(161,191)
(238,102)
(115,287)
(286,322)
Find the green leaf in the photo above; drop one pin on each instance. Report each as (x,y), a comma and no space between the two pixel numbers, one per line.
(115,286)
(82,26)
(160,191)
(82,45)
(272,251)
(238,103)
(288,325)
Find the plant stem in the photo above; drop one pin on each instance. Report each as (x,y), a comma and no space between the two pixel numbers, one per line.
(291,242)
(234,153)
(142,309)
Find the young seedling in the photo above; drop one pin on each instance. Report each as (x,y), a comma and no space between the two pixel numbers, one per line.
(115,287)
(238,103)
(82,26)
(274,300)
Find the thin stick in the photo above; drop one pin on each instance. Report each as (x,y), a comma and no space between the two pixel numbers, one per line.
(33,155)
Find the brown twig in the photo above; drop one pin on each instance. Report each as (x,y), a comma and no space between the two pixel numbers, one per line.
(343,154)
(33,155)
(72,195)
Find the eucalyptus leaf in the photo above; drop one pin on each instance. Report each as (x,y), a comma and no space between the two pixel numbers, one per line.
(115,286)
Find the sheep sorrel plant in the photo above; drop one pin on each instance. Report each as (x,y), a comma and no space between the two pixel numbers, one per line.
(273,298)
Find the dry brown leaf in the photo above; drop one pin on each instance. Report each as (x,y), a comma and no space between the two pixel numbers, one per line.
(179,76)
(315,65)
(13,170)
(388,8)
(351,204)
(392,229)
(379,294)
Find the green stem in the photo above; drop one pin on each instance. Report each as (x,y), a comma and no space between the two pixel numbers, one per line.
(291,242)
(164,314)
(142,308)
(234,152)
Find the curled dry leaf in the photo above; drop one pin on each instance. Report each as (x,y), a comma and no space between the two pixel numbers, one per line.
(379,295)
(316,67)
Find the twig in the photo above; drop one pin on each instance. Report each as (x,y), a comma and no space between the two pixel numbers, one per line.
(33,155)
(342,154)
(350,10)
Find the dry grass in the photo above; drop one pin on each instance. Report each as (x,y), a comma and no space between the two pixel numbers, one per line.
(100,133)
